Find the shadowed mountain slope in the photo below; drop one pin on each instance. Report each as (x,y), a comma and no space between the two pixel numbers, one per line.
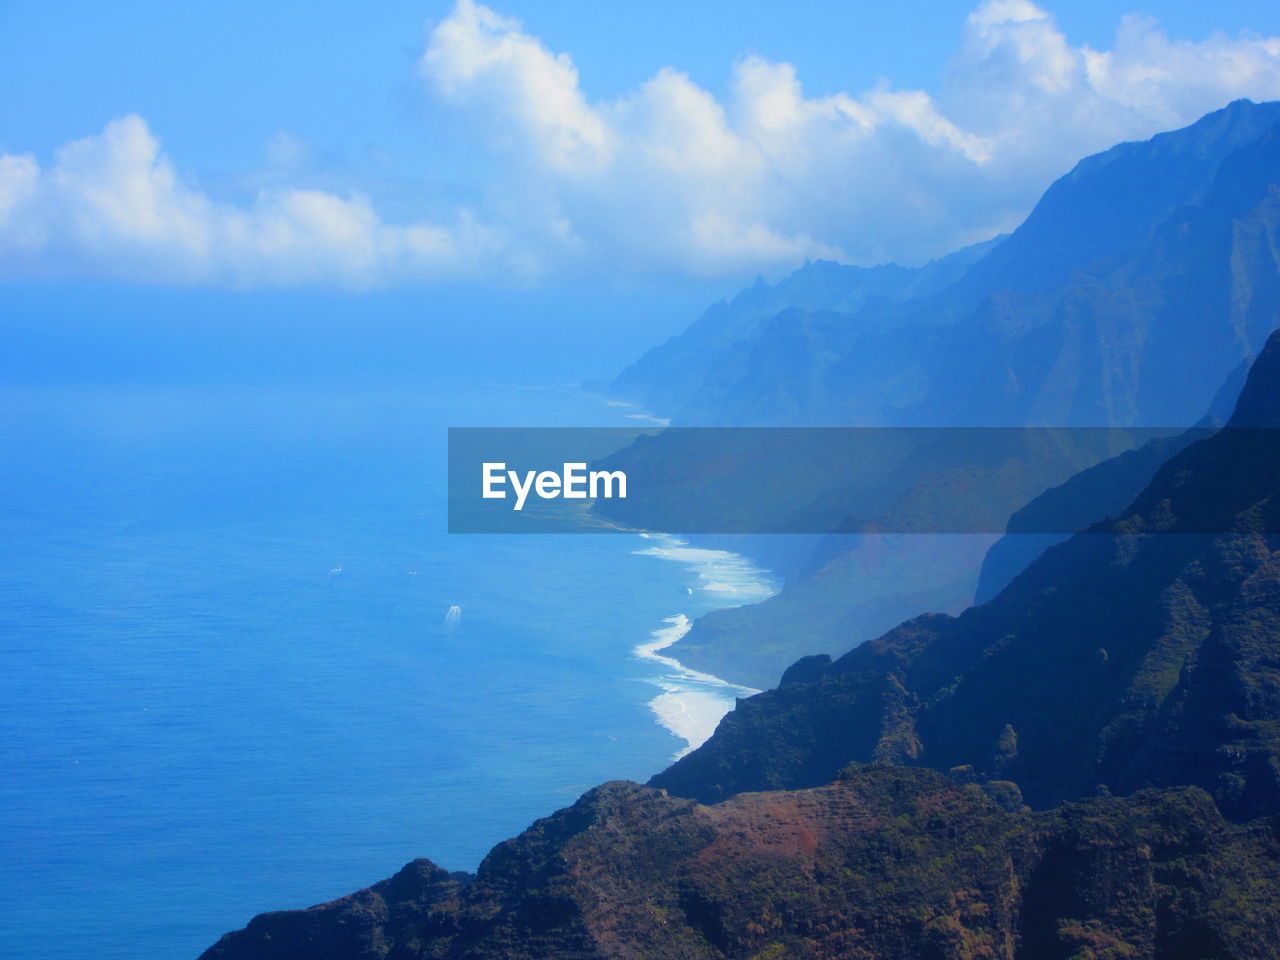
(1143,652)
(1140,284)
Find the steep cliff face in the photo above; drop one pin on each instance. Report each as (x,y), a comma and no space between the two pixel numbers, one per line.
(883,864)
(1144,652)
(1144,280)
(1139,281)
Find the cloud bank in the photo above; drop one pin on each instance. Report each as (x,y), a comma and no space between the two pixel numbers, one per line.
(665,179)
(112,204)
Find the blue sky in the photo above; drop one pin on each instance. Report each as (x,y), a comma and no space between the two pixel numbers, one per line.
(370,145)
(220,79)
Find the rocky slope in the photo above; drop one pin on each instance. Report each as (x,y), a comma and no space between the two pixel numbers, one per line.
(883,864)
(1143,652)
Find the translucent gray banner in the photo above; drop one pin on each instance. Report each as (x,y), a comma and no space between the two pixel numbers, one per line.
(804,480)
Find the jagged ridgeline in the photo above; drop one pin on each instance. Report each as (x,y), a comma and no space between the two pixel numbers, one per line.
(1140,280)
(883,864)
(1086,766)
(1136,292)
(1144,651)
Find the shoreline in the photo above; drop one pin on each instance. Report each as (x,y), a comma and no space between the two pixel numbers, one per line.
(692,702)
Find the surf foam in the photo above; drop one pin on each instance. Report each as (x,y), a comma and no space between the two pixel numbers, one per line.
(692,703)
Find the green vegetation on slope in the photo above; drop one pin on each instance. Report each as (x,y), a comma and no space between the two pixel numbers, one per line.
(883,864)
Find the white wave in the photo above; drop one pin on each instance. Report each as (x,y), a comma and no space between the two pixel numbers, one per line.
(664,637)
(452,617)
(731,579)
(692,703)
(691,715)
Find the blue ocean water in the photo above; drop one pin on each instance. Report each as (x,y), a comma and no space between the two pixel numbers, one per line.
(232,682)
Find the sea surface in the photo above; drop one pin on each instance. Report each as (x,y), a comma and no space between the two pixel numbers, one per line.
(247,669)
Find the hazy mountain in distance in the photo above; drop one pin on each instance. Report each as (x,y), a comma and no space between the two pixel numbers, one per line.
(663,380)
(1137,287)
(1137,257)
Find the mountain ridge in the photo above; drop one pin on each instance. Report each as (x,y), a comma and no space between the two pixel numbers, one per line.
(1148,332)
(881,864)
(1169,673)
(1109,203)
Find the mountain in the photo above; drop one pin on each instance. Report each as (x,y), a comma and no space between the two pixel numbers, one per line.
(1101,491)
(1138,258)
(1146,336)
(1091,496)
(936,500)
(882,864)
(1129,188)
(665,378)
(1144,651)
(1133,295)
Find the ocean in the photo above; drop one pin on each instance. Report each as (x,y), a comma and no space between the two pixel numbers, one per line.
(247,669)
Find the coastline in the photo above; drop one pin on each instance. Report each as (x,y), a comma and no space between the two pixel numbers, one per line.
(692,702)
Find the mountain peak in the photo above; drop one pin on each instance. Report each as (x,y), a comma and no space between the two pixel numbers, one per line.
(1130,187)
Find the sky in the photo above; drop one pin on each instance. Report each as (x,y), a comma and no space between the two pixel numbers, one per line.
(369,147)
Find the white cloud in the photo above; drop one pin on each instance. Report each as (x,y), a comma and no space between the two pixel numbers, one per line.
(112,204)
(665,178)
(477,52)
(669,178)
